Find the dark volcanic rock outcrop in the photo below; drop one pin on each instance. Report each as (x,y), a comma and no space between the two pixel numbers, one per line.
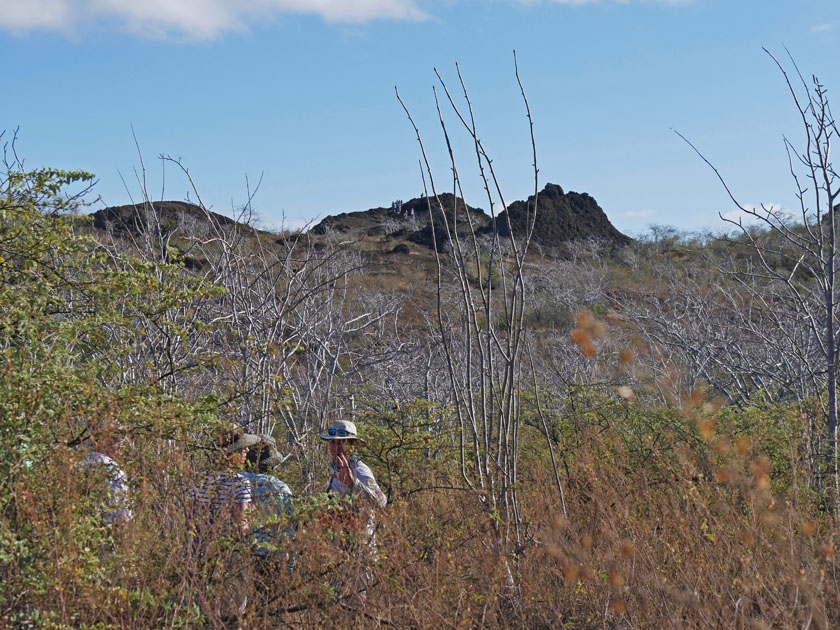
(413,223)
(561,218)
(457,214)
(169,216)
(363,221)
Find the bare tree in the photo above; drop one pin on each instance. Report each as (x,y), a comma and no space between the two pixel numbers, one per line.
(799,254)
(481,325)
(281,330)
(703,327)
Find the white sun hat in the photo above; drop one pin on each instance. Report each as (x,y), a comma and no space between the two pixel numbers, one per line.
(341,430)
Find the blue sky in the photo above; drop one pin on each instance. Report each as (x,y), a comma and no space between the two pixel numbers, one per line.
(301,92)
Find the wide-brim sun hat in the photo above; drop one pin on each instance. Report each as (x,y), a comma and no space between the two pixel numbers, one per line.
(266,455)
(237,441)
(341,430)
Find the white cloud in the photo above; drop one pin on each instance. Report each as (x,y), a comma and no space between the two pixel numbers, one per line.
(635,214)
(822,28)
(573,3)
(23,15)
(191,19)
(293,225)
(762,210)
(207,19)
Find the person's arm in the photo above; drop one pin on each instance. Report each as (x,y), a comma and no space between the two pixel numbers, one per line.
(342,477)
(120,494)
(241,517)
(242,506)
(124,515)
(365,486)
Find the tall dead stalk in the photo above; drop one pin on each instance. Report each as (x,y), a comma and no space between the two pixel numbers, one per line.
(483,333)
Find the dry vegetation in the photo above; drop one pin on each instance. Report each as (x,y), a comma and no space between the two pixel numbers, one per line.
(680,511)
(679,531)
(637,437)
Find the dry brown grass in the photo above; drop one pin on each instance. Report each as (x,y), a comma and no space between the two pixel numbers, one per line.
(694,537)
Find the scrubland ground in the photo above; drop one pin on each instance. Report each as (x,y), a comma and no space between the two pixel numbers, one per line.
(668,468)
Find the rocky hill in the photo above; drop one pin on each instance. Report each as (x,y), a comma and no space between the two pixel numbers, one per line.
(561,218)
(412,222)
(169,216)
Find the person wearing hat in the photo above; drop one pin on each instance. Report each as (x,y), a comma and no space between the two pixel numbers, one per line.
(353,480)
(349,476)
(223,499)
(221,504)
(270,496)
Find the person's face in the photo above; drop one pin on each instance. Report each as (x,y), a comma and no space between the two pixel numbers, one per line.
(111,444)
(238,458)
(336,448)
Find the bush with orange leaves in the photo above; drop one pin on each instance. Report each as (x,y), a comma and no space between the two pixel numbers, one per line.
(671,523)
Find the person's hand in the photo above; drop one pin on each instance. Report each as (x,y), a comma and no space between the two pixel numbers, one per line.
(344,473)
(241,515)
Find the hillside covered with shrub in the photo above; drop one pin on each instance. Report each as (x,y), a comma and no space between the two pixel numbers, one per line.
(609,438)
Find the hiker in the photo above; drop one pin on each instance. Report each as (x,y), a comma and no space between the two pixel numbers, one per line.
(222,500)
(351,479)
(221,505)
(271,497)
(100,461)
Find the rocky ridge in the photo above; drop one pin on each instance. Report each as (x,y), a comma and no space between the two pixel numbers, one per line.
(562,218)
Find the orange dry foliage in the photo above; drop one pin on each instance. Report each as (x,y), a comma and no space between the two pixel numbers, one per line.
(581,338)
(701,541)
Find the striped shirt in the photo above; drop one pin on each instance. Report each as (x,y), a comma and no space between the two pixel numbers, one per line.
(218,492)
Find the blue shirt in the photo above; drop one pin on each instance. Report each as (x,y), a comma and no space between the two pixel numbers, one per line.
(271,500)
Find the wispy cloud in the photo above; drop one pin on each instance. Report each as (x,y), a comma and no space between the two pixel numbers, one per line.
(762,210)
(635,214)
(290,225)
(190,19)
(585,2)
(208,19)
(822,28)
(21,15)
